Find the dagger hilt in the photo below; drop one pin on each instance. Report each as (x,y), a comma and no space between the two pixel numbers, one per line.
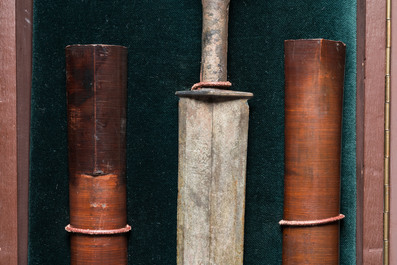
(214,41)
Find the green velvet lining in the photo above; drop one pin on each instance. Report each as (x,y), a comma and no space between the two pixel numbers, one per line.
(164,40)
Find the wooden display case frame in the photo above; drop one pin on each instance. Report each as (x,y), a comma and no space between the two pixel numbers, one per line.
(15,84)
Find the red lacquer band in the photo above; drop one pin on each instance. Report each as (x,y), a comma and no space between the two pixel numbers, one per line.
(312,222)
(72,229)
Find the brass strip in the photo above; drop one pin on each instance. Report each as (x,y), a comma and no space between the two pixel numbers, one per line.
(388,29)
(387,203)
(387,62)
(387,148)
(387,95)
(386,252)
(386,210)
(387,171)
(387,124)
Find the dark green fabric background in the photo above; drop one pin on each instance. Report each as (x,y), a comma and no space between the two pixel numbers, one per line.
(163,40)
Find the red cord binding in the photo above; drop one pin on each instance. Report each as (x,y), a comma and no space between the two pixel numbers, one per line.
(222,85)
(312,222)
(72,229)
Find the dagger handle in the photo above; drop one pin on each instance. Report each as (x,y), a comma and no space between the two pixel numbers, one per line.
(214,40)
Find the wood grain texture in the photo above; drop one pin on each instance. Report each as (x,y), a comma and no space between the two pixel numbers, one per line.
(314,74)
(24,18)
(373,169)
(15,83)
(371,38)
(8,135)
(360,96)
(213,133)
(96,93)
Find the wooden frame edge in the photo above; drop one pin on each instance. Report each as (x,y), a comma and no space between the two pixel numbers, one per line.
(360,66)
(15,83)
(8,141)
(371,41)
(24,21)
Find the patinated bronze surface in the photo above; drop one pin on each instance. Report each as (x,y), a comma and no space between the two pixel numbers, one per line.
(96,94)
(214,40)
(314,74)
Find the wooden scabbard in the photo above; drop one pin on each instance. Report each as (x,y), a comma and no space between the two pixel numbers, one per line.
(314,73)
(96,94)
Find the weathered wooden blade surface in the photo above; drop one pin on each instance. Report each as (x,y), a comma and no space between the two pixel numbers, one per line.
(213,128)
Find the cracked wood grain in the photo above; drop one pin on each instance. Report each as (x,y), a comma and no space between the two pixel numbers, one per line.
(213,135)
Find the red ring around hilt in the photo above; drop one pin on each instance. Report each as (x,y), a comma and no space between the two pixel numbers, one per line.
(219,84)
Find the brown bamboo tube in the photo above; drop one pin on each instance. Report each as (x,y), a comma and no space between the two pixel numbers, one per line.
(96,94)
(314,74)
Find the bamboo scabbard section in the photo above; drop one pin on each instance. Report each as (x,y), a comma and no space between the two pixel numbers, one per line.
(314,74)
(96,94)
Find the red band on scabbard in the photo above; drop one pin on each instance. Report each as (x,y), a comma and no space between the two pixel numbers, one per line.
(312,222)
(221,85)
(72,229)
